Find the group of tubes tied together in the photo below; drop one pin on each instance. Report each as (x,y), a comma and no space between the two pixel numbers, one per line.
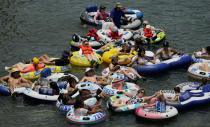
(120,42)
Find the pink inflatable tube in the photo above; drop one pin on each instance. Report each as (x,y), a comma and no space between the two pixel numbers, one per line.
(149,113)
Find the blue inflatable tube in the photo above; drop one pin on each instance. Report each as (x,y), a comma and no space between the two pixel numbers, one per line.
(4,89)
(192,98)
(175,62)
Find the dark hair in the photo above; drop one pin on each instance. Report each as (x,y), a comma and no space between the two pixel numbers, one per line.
(71,80)
(86,73)
(102,7)
(177,89)
(165,44)
(208,49)
(54,86)
(138,41)
(13,74)
(140,50)
(78,103)
(140,90)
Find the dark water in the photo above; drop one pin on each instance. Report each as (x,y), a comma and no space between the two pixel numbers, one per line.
(31,28)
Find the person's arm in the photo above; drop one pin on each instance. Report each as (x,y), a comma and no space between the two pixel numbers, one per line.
(148,97)
(148,105)
(149,59)
(128,94)
(201,56)
(94,111)
(112,68)
(83,79)
(131,63)
(158,53)
(175,51)
(26,81)
(3,79)
(173,99)
(49,63)
(95,18)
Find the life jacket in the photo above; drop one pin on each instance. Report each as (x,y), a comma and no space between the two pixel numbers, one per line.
(31,68)
(92,33)
(148,33)
(86,49)
(114,35)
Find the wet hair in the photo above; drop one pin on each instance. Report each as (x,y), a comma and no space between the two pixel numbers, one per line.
(87,73)
(54,86)
(208,49)
(140,90)
(140,50)
(78,104)
(138,41)
(71,80)
(115,57)
(177,89)
(165,44)
(102,7)
(13,74)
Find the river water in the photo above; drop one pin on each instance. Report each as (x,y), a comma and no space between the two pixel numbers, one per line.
(31,28)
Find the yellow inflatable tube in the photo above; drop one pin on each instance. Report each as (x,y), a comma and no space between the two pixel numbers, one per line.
(78,60)
(107,56)
(54,69)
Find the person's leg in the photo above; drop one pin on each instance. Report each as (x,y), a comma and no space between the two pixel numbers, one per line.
(19,66)
(134,72)
(205,67)
(23,85)
(127,74)
(93,56)
(44,57)
(88,57)
(11,88)
(118,103)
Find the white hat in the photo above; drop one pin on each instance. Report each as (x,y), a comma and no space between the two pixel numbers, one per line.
(88,69)
(147,26)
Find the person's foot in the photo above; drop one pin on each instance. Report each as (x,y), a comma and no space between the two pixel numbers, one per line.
(7,68)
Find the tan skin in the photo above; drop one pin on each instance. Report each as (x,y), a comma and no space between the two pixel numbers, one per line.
(102,11)
(16,81)
(140,57)
(120,103)
(203,50)
(93,78)
(115,69)
(167,51)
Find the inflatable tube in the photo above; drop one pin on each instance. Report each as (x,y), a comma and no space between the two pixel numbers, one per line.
(127,86)
(108,54)
(103,34)
(195,72)
(160,37)
(35,75)
(77,40)
(175,62)
(199,60)
(4,89)
(188,86)
(35,96)
(89,119)
(88,85)
(149,113)
(189,98)
(65,108)
(126,108)
(106,71)
(135,16)
(56,76)
(79,60)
